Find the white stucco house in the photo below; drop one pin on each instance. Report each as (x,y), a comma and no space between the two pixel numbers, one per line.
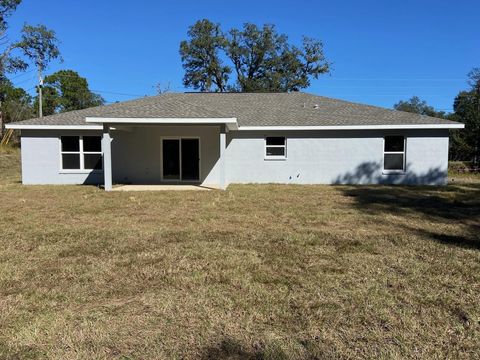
(216,139)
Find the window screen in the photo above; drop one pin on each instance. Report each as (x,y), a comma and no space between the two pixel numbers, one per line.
(275,147)
(394,153)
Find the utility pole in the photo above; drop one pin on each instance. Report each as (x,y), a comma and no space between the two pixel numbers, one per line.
(1,120)
(477,141)
(40,85)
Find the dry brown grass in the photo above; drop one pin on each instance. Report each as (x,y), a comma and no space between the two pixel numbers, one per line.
(255,272)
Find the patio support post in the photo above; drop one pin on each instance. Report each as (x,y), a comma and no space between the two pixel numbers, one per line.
(107,157)
(223,145)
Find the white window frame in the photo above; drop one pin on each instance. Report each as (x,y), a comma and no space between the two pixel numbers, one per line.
(81,153)
(274,157)
(404,153)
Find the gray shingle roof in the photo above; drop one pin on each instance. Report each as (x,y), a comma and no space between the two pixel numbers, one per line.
(251,109)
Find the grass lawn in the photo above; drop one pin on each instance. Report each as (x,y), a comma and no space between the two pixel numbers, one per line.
(254,272)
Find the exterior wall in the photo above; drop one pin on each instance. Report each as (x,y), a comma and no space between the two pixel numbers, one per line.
(336,157)
(41,159)
(136,152)
(135,155)
(313,157)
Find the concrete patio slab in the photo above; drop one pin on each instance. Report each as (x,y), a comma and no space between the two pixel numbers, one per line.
(161,188)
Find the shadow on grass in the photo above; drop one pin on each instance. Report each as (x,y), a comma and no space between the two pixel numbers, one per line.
(459,204)
(453,202)
(471,241)
(447,202)
(230,349)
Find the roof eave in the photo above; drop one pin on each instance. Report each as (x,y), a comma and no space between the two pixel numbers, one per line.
(357,127)
(230,123)
(19,126)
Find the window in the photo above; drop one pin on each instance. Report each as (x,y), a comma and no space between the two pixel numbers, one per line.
(394,154)
(81,152)
(275,147)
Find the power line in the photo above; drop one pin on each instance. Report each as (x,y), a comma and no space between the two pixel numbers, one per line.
(22,74)
(356,79)
(24,81)
(393,95)
(116,93)
(398,79)
(383,87)
(102,92)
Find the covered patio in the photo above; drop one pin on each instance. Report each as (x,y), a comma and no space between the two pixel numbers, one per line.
(145,154)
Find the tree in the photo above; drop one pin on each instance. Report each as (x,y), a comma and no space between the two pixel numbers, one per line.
(37,44)
(50,100)
(15,103)
(162,89)
(7,7)
(263,59)
(66,90)
(201,59)
(466,106)
(418,106)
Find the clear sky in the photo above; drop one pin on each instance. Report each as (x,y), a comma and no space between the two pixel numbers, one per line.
(382,51)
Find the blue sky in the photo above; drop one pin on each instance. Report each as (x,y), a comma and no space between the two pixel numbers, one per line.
(382,51)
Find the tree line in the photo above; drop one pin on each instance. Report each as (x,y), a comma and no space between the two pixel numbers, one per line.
(259,59)
(464,143)
(34,50)
(249,59)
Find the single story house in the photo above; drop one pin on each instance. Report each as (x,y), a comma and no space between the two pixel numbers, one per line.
(215,139)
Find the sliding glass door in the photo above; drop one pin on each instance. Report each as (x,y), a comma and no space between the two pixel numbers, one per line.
(181,159)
